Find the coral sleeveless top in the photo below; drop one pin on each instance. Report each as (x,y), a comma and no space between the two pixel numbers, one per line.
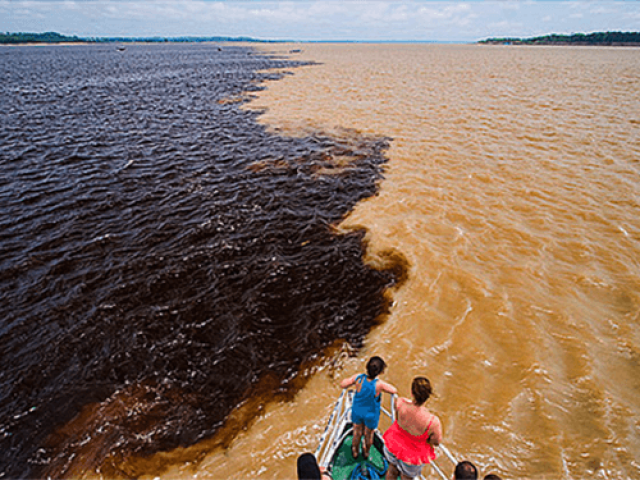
(411,449)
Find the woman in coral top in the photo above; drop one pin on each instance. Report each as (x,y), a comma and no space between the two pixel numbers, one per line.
(410,440)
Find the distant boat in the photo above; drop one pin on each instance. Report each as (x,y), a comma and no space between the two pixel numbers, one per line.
(121,48)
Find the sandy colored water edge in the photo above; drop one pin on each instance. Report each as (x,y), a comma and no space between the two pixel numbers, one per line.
(512,191)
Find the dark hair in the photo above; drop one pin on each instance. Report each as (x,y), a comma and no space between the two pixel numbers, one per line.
(492,476)
(375,366)
(308,467)
(465,470)
(421,390)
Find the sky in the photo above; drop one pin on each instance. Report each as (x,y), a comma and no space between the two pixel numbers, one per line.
(321,20)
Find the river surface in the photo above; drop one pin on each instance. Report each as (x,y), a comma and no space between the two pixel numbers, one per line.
(507,223)
(163,258)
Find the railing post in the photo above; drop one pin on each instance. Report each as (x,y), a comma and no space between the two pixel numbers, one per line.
(438,471)
(329,424)
(448,454)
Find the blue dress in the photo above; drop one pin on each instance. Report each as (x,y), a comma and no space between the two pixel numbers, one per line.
(366,405)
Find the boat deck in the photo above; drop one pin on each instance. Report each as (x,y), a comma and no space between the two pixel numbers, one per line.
(343,463)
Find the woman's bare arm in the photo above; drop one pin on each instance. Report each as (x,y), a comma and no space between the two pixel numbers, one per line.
(385,387)
(435,437)
(347,382)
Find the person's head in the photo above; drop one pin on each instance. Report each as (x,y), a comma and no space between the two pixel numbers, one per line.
(492,476)
(308,468)
(421,390)
(465,470)
(375,366)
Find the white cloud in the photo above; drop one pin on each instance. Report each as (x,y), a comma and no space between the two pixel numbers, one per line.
(506,26)
(578,4)
(399,14)
(328,9)
(445,11)
(512,5)
(635,14)
(602,10)
(71,5)
(375,13)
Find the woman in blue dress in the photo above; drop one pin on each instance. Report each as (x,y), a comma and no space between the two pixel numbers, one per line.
(365,411)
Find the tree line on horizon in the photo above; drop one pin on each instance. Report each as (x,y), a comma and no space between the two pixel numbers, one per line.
(596,38)
(47,37)
(53,37)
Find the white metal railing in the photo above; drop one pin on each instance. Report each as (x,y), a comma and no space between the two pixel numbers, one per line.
(339,417)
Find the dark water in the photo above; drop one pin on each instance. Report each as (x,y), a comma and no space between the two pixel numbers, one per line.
(160,251)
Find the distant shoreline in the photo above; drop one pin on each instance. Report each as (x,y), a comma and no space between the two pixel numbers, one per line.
(54,38)
(602,39)
(239,42)
(563,44)
(596,39)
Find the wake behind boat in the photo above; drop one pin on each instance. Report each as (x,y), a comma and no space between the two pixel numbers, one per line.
(334,449)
